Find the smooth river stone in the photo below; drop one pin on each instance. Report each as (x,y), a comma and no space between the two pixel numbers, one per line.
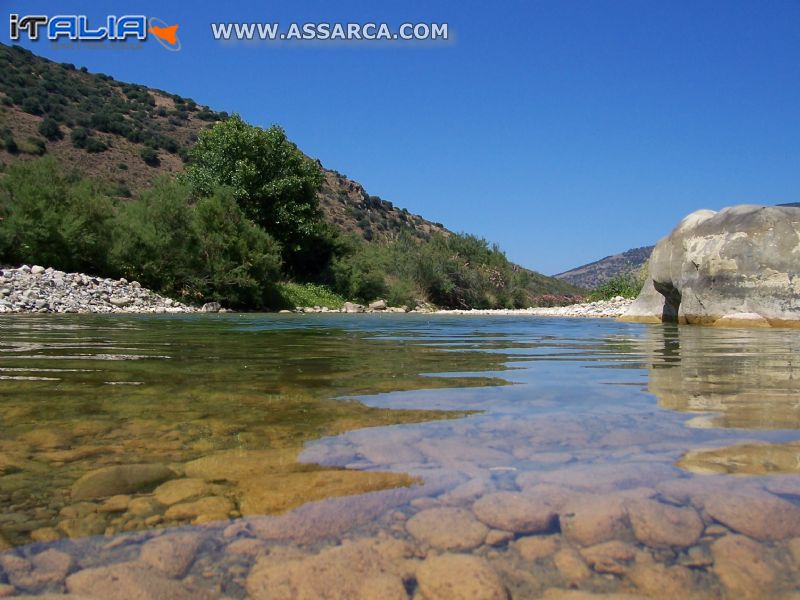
(119,479)
(741,566)
(210,508)
(180,490)
(128,580)
(760,516)
(662,526)
(590,520)
(609,557)
(172,554)
(447,529)
(459,577)
(512,511)
(355,569)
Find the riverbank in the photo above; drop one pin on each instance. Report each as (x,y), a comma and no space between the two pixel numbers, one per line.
(36,289)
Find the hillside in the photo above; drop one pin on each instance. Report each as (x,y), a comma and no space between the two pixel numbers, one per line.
(600,271)
(128,135)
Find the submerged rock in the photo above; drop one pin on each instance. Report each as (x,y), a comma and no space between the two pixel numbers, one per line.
(512,511)
(119,479)
(459,577)
(447,528)
(356,569)
(736,267)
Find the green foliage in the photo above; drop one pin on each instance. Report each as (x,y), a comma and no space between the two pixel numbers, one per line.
(9,143)
(273,182)
(309,294)
(452,271)
(239,261)
(204,252)
(49,219)
(94,145)
(49,129)
(33,145)
(627,286)
(150,156)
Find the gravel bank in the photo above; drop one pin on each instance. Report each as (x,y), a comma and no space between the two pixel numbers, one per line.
(600,309)
(39,290)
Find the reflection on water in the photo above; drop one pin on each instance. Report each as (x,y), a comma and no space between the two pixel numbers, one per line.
(396,456)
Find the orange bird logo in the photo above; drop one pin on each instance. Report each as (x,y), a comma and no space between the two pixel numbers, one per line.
(167,35)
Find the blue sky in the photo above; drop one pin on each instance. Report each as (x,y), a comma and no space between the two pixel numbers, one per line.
(563,130)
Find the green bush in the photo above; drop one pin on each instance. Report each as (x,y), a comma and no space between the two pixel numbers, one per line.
(48,219)
(9,143)
(150,156)
(79,136)
(204,252)
(627,285)
(239,262)
(49,129)
(309,294)
(95,145)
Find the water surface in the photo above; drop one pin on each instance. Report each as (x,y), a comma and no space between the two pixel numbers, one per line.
(560,454)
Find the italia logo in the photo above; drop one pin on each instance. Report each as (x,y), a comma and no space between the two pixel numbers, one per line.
(78,28)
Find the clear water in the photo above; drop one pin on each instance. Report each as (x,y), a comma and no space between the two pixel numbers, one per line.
(285,436)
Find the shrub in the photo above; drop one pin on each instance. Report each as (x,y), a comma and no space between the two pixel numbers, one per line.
(626,285)
(51,220)
(309,294)
(79,137)
(150,156)
(33,145)
(94,145)
(8,141)
(206,252)
(49,129)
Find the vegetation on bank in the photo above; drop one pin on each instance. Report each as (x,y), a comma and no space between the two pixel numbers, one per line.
(627,285)
(240,221)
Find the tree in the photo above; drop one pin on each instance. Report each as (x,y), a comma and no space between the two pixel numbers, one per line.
(273,182)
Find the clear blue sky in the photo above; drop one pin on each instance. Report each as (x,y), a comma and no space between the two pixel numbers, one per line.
(563,130)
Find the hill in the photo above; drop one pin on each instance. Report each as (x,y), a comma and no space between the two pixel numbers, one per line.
(127,135)
(600,271)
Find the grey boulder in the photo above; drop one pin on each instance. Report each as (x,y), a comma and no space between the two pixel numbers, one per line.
(736,267)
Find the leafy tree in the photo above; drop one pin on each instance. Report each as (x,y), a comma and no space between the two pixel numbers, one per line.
(273,182)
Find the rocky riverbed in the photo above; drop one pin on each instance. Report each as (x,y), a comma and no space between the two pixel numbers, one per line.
(36,289)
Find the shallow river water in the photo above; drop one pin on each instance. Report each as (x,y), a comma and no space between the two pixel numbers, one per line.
(396,456)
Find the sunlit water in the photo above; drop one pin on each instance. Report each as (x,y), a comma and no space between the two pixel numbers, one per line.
(342,456)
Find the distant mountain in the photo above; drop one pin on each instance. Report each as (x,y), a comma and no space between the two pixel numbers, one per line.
(600,271)
(791,204)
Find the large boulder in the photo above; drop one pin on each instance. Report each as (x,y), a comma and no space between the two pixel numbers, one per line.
(736,267)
